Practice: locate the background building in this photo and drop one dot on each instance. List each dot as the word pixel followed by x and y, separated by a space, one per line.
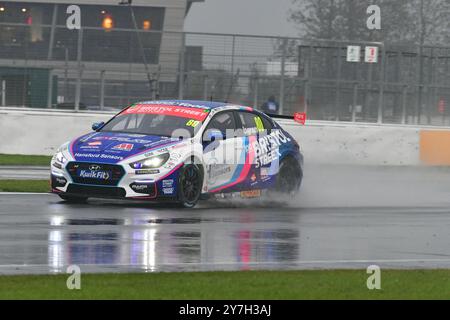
pixel 41 58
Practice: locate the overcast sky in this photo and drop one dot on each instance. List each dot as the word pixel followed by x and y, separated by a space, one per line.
pixel 257 17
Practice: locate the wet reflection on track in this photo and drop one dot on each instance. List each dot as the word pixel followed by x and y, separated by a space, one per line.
pixel 346 218
pixel 170 240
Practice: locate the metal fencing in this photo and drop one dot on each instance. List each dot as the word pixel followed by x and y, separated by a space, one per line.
pixel 91 68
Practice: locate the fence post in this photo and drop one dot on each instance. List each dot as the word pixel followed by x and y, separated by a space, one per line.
pixel 338 86
pixel 50 56
pixel 52 32
pixel 430 101
pixel 283 67
pixel 102 89
pixel 381 82
pixel 79 69
pixel 255 93
pixel 404 96
pixel 355 101
pixel 50 89
pixel 205 87
pixel 181 70
pixel 233 48
pixel 420 88
pixel 307 94
pixel 3 93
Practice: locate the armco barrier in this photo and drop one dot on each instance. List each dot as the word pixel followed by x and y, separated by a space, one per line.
pixel 27 131
pixel 31 131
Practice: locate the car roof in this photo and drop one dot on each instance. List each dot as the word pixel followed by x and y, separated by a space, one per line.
pixel 193 103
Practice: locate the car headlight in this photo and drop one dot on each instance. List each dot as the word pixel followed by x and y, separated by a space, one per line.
pixel 59 158
pixel 152 162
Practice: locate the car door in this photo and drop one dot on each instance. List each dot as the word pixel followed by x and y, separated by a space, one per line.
pixel 219 152
pixel 262 152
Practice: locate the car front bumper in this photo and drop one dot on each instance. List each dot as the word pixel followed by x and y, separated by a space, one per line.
pixel 123 184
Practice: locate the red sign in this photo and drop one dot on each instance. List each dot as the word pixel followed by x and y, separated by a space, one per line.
pixel 300 117
pixel 177 111
pixel 441 106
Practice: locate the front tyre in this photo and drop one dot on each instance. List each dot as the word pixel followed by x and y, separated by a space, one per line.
pixel 289 177
pixel 190 184
pixel 73 199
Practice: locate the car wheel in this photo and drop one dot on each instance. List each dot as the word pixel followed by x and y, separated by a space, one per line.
pixel 73 199
pixel 190 184
pixel 289 177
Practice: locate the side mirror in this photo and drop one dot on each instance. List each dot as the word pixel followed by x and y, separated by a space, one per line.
pixel 98 125
pixel 213 135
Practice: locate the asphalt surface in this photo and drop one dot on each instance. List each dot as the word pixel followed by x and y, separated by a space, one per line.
pixel 345 217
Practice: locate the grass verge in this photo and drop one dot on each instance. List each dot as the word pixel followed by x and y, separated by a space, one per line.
pixel 317 284
pixel 24 186
pixel 23 160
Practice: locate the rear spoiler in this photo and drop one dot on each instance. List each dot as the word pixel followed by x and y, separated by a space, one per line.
pixel 280 116
pixel 299 117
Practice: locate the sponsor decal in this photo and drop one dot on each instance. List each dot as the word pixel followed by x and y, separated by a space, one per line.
pixel 216 170
pixel 124 147
pixel 265 171
pixel 251 194
pixel 139 187
pixel 265 174
pixel 170 164
pixel 267 147
pixel 150 171
pixel 123 139
pixel 167 190
pixel 167 183
pixel 93 145
pixel 169 110
pixel 61 181
pixel 142 188
pixel 97 155
pixel 178 103
pixel 91 174
pixel 253 178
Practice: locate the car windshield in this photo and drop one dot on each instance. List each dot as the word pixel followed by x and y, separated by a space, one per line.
pixel 153 124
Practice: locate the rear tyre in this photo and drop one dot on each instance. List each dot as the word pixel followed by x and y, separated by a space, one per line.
pixel 289 178
pixel 73 199
pixel 190 184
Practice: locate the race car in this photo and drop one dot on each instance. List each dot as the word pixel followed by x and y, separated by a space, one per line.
pixel 179 151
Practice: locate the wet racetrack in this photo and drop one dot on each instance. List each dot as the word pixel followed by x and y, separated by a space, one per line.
pixel 345 217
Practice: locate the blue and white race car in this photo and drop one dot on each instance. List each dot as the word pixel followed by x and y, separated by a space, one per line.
pixel 179 151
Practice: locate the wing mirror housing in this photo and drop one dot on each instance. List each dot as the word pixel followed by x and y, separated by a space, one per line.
pixel 97 126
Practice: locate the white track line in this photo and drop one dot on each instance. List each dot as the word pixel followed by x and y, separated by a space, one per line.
pixel 291 263
pixel 24 193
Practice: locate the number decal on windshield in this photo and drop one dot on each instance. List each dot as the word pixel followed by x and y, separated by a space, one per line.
pixel 192 123
pixel 259 124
